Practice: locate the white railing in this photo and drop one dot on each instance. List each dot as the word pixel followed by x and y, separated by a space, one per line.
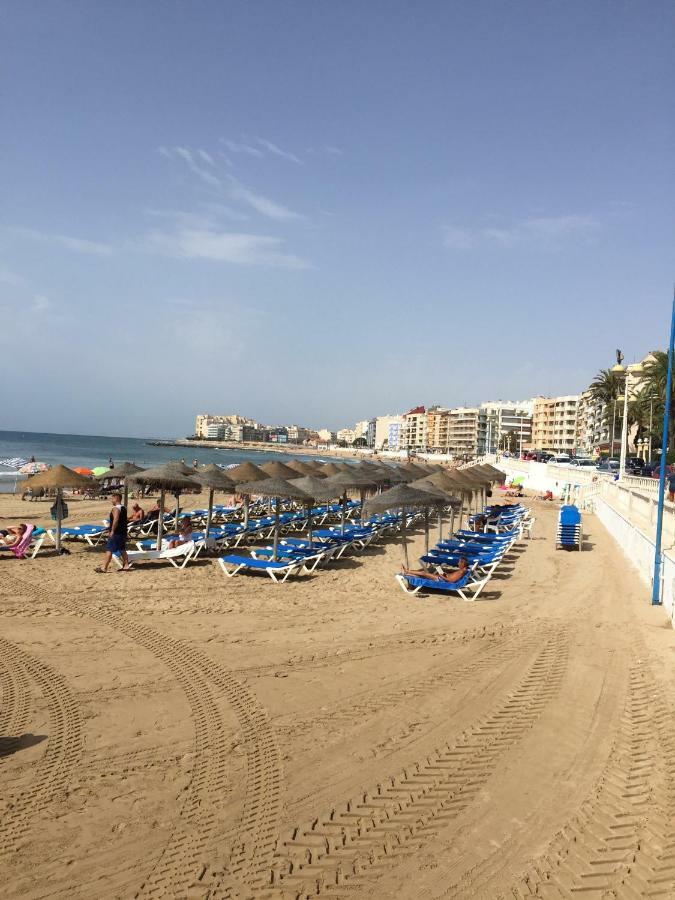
pixel 651 485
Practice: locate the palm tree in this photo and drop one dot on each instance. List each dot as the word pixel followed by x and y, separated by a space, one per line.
pixel 655 378
pixel 605 388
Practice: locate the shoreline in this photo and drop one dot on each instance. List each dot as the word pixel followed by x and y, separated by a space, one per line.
pixel 288 449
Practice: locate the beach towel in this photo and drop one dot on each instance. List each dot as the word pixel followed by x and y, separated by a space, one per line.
pixel 19 550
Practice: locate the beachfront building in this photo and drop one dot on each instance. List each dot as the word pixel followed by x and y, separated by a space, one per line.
pixel 204 420
pixel 297 434
pixel 463 431
pixel 415 429
pixel 504 425
pixel 555 424
pixel 346 436
pixel 437 428
pixel 382 426
pixel 370 433
pixel 396 432
pixel 326 436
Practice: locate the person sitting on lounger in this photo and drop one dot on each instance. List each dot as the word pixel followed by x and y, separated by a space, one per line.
pixel 452 577
pixel 12 535
pixel 137 513
pixel 184 535
pixel 154 512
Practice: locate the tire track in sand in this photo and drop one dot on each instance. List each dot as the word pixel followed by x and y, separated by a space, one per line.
pixel 62 754
pixel 191 861
pixel 349 846
pixel 622 842
pixel 14 703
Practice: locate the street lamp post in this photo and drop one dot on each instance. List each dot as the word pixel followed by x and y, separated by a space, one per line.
pixel 656 582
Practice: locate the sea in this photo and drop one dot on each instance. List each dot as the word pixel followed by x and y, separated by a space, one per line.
pixel 93 450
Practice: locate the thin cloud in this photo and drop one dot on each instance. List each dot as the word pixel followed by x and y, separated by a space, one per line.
pixel 9 277
pixel 259 203
pixel 235 147
pixel 77 245
pixel 277 151
pixel 533 230
pixel 237 248
pixel 190 160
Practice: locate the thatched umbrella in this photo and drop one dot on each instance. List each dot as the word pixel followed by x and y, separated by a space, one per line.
pixel 121 472
pixel 317 489
pixel 276 469
pixel 446 498
pixel 343 481
pixel 496 475
pixel 330 468
pixel 170 476
pixel 402 497
pixel 58 477
pixel 246 471
pixel 275 489
pixel 215 479
pixel 302 467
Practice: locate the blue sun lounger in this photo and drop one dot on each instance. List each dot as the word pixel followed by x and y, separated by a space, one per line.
pixel 278 571
pixel 413 584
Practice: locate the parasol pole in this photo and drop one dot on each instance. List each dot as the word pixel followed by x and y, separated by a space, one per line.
pixel 440 523
pixel 276 529
pixel 160 520
pixel 58 519
pixel 175 521
pixel 247 501
pixel 126 493
pixel 452 521
pixel 426 529
pixel 343 503
pixel 209 514
pixel 403 536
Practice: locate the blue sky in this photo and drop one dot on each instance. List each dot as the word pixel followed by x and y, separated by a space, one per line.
pixel 318 212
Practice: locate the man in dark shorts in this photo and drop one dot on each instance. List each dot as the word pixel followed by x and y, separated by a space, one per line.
pixel 117 541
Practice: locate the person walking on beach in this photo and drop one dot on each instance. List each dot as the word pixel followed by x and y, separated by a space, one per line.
pixel 111 464
pixel 117 542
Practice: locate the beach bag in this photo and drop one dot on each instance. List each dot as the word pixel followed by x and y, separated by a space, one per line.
pixel 54 511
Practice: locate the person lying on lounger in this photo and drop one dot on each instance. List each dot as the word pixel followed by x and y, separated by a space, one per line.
pixel 137 513
pixel 184 535
pixel 12 535
pixel 451 578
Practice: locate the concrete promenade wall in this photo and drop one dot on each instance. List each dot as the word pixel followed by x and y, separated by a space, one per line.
pixel 626 509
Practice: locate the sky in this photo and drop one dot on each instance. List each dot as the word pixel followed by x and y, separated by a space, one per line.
pixel 316 212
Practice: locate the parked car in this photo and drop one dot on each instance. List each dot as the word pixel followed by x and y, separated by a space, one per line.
pixel 582 463
pixel 560 459
pixel 635 465
pixel 608 465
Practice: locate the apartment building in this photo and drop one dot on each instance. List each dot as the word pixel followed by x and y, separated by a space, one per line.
pixel 382 426
pixel 505 425
pixel 415 429
pixel 346 436
pixel 462 425
pixel 437 428
pixel 204 420
pixel 396 433
pixel 555 424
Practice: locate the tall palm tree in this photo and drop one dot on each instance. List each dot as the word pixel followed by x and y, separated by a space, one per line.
pixel 655 378
pixel 605 388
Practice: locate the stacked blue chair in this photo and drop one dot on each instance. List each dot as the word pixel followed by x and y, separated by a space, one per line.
pixel 569 528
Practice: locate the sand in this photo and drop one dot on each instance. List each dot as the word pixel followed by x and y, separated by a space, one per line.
pixel 178 734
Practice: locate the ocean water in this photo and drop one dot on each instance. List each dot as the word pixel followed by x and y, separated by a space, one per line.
pixel 87 450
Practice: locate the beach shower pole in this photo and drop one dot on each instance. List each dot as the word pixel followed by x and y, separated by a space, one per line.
pixel 656 584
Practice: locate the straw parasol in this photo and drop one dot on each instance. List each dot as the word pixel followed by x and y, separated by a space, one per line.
pixel 215 479
pixel 330 468
pixel 275 489
pixel 121 472
pixel 276 469
pixel 171 476
pixel 317 489
pixel 446 498
pixel 401 497
pixel 58 477
pixel 343 481
pixel 302 467
pixel 490 472
pixel 246 471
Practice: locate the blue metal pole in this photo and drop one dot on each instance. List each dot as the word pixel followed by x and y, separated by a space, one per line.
pixel 656 586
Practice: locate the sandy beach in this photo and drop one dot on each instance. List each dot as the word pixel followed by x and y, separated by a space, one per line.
pixel 179 734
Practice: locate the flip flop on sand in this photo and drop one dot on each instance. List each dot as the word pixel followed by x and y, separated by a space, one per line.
pixel 100 571
pixel 128 568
